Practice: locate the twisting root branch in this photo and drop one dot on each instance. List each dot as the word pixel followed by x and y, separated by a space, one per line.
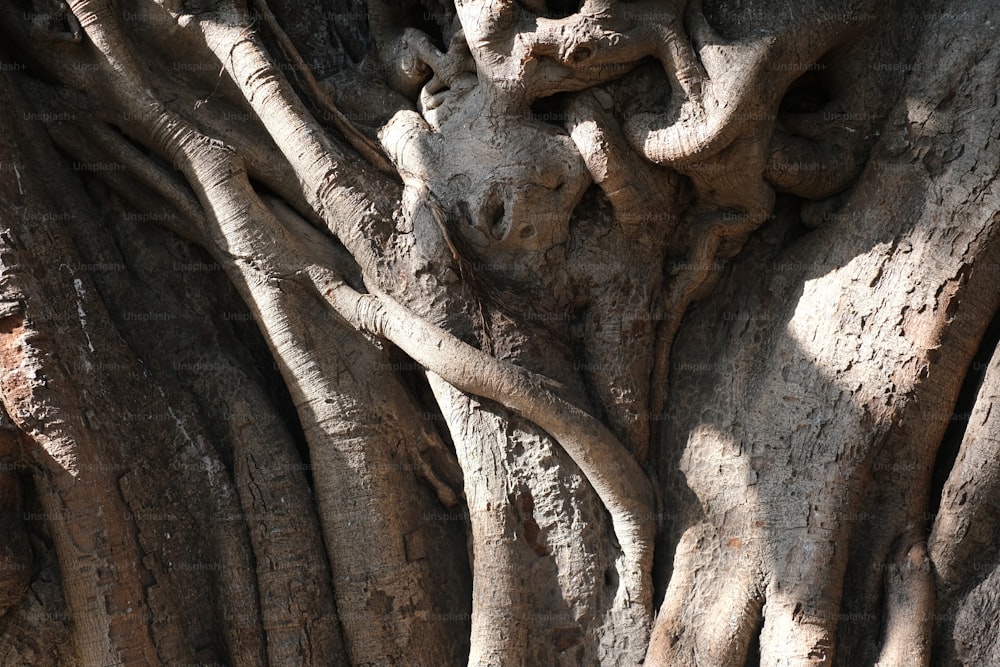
pixel 615 475
pixel 246 235
pixel 70 138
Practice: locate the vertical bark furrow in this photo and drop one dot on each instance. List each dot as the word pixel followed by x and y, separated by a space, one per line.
pixel 966 524
pixel 76 464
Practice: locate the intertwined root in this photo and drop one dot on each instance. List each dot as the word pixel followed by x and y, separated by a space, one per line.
pixel 479 169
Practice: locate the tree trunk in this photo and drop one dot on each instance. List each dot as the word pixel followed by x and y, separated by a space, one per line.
pixel 499 333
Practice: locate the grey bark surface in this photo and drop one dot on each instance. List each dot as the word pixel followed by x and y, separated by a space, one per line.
pixel 499 333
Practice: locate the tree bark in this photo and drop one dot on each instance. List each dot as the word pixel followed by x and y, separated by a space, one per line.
pixel 507 333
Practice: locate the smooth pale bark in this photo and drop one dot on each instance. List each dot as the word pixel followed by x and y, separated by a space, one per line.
pixel 417 433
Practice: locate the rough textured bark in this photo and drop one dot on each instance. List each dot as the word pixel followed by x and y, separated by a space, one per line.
pixel 498 333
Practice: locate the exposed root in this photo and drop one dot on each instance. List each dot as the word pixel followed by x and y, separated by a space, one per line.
pixel 909 616
pixel 616 477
